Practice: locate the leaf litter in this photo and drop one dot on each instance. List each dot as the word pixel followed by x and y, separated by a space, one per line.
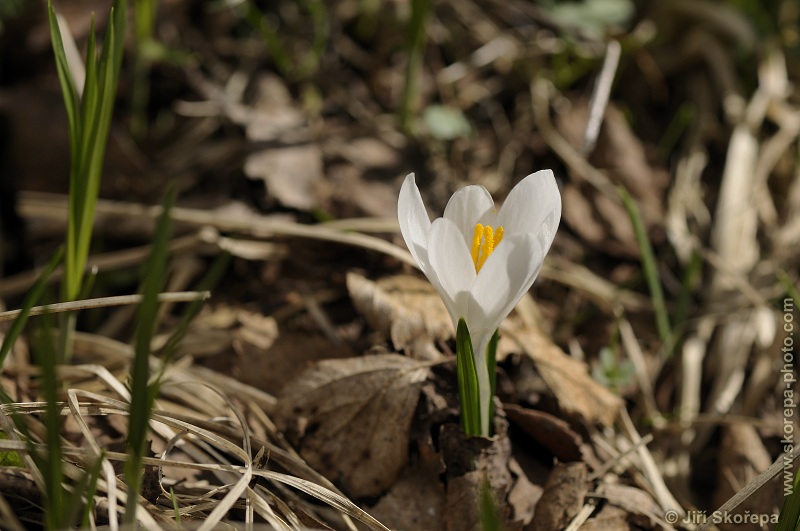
pixel 293 373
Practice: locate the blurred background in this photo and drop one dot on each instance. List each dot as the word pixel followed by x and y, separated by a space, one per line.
pixel 313 111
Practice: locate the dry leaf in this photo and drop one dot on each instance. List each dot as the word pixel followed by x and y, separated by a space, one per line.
pixel 549 431
pixel 524 495
pixel 416 501
pixel 569 380
pixel 271 369
pixel 406 308
pixel 290 173
pixel 610 518
pixel 350 419
pixel 563 497
pixel 637 506
pixel 602 222
pixel 286 159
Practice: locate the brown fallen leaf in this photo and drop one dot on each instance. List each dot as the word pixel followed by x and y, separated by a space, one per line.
pixel 637 505
pixel 610 518
pixel 350 419
pixel 575 390
pixel 416 501
pixel 406 308
pixel 523 496
pixel 283 154
pixel 549 431
pixel 563 497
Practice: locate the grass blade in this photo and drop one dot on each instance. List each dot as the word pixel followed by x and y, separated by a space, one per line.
pixel 50 463
pixel 650 269
pixel 68 88
pixel 142 393
pixel 30 301
pixel 417 38
pixel 789 519
pixel 210 280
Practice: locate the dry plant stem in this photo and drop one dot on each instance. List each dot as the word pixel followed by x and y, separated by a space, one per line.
pixel 693 353
pixel 276 454
pixel 636 356
pixel 580 518
pixel 105 302
pixel 617 460
pixel 756 483
pixel 540 97
pixel 600 94
pixel 116 260
pixel 594 287
pixel 651 470
pixel 9 518
pixel 40 204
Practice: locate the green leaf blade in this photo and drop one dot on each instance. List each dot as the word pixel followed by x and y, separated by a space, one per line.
pixel 468 390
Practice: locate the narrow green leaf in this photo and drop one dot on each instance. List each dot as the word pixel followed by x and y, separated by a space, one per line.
pixel 788 285
pixel 417 38
pixel 690 278
pixel 789 519
pixel 80 499
pixel 649 268
pixel 469 394
pixel 491 364
pixel 31 299
pixel 50 464
pixel 68 89
pixel 210 280
pixel 142 395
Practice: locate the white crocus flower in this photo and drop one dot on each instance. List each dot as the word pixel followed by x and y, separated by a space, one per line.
pixel 479 259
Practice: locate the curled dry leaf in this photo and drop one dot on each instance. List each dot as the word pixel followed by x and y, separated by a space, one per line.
pixel 406 308
pixel 350 419
pixel 569 380
pixel 549 431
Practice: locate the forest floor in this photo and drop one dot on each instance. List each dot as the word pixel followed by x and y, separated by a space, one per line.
pixel 647 378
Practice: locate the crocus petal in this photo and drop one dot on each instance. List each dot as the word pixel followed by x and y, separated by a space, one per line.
pixel 505 277
pixel 415 225
pixel 452 264
pixel 534 205
pixel 466 207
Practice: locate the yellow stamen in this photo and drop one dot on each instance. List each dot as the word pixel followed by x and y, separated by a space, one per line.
pixel 484 241
pixel 476 243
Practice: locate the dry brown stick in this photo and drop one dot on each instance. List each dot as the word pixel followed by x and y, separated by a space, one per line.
pixel 104 302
